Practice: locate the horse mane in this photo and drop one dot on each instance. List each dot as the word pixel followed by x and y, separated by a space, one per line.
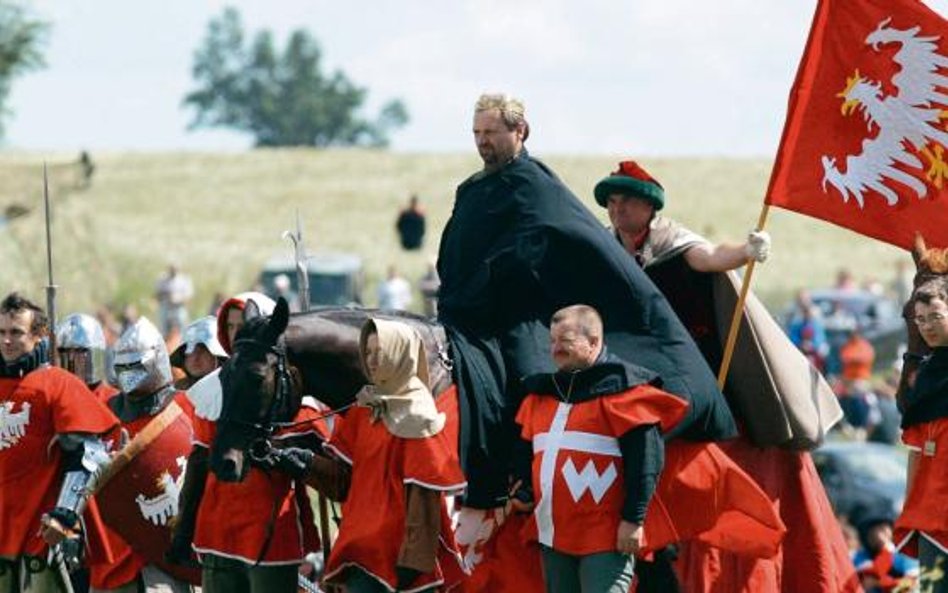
pixel 324 344
pixel 929 261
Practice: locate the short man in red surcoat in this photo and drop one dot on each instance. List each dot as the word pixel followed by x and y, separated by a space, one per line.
pixel 595 429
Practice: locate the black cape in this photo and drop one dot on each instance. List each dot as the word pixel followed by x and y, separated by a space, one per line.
pixel 610 375
pixel 519 246
pixel 927 400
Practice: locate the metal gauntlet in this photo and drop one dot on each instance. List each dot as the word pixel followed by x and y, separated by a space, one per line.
pixel 84 458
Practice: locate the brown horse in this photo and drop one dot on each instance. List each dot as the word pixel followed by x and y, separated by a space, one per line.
pixel 929 263
pixel 277 359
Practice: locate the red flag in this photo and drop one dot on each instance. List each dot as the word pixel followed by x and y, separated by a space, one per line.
pixel 865 141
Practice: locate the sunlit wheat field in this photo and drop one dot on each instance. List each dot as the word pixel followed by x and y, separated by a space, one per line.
pixel 220 216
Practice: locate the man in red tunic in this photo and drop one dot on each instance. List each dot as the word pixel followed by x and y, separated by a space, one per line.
pixel 251 535
pixel 596 428
pixel 922 528
pixel 50 448
pixel 205 394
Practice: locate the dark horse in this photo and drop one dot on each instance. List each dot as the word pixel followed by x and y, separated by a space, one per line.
pixel 929 263
pixel 277 360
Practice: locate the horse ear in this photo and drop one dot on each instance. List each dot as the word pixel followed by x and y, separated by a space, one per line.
pixel 919 249
pixel 251 310
pixel 280 318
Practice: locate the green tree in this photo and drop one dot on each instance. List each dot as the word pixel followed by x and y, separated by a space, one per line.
pixel 21 40
pixel 282 99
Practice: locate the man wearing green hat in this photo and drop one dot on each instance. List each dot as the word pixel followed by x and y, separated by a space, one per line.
pixel 784 408
pixel 633 199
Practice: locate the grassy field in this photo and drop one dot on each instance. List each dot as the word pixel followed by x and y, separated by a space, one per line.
pixel 220 216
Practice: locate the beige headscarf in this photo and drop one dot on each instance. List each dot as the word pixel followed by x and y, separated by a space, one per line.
pixel 400 395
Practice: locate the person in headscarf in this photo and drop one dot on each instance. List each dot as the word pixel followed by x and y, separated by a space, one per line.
pixel 403 459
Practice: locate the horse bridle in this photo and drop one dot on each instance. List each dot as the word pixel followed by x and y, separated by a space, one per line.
pixel 261 446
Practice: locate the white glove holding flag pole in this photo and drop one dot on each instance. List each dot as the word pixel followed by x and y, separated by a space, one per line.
pixel 758 246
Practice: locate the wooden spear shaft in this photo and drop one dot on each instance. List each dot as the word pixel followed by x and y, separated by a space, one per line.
pixel 739 308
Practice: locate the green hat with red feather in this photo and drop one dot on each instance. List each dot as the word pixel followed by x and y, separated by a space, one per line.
pixel 630 179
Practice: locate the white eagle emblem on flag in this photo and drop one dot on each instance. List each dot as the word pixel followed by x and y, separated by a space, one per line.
pixel 909 122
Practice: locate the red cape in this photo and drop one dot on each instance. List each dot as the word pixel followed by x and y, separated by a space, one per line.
pixel 813 557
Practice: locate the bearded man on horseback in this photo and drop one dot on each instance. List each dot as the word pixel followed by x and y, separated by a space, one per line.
pixel 518 247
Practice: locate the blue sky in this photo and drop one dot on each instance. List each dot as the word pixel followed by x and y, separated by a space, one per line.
pixel 631 77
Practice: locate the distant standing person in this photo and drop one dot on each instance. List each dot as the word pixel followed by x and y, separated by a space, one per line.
pixel 394 292
pixel 283 287
pixel 86 169
pixel 428 287
pixel 411 225
pixel 173 291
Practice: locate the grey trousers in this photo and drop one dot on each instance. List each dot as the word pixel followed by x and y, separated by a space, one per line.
pixel 933 567
pixel 28 574
pixel 224 575
pixel 606 572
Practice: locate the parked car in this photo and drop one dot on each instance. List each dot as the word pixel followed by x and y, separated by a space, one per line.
pixel 862 476
pixel 878 318
pixel 334 278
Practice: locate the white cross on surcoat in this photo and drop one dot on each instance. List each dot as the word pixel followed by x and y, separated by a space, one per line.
pixel 559 439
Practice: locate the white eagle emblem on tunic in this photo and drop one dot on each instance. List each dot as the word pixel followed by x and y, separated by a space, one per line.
pixel 908 123
pixel 159 510
pixel 13 424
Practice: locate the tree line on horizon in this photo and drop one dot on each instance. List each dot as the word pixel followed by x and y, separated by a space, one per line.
pixel 280 97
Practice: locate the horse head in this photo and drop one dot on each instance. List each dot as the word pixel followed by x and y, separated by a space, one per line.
pixel 317 354
pixel 930 263
pixel 260 389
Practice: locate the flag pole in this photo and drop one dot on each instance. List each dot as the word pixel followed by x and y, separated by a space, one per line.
pixel 739 308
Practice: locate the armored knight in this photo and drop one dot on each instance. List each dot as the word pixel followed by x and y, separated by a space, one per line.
pixel 143 373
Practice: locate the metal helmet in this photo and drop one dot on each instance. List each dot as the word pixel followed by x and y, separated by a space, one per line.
pixel 80 343
pixel 200 332
pixel 140 360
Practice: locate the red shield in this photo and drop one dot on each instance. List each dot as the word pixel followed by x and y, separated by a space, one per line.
pixel 138 493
